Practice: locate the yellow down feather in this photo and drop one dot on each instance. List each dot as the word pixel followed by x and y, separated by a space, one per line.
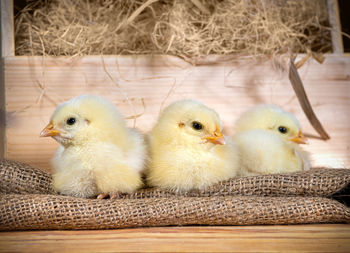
pixel 183 158
pixel 98 154
pixel 267 140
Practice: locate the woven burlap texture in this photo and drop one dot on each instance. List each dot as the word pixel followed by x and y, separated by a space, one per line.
pixel 22 178
pixel 22 212
pixel 16 177
pixel 27 202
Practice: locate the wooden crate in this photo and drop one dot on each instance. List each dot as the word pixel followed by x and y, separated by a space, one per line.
pixel 34 86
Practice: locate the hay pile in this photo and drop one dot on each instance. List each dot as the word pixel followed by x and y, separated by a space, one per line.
pixel 177 27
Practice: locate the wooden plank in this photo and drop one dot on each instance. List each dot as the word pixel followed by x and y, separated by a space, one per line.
pixel 35 85
pixel 2 111
pixel 297 238
pixel 7 34
pixel 334 20
pixel 7 49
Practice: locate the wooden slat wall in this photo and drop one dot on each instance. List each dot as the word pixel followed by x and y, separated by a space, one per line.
pixel 35 85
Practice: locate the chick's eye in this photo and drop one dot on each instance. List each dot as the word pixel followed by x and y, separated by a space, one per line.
pixel 196 125
pixel 71 121
pixel 282 129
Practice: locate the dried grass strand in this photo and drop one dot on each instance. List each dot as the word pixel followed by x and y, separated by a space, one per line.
pixel 188 29
pixel 124 94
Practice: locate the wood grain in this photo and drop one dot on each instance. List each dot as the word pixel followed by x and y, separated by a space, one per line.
pixel 7 34
pixel 298 238
pixel 2 111
pixel 36 85
pixel 6 49
pixel 334 20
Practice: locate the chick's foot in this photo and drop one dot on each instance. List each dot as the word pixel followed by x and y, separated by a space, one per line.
pixel 106 195
pixel 102 196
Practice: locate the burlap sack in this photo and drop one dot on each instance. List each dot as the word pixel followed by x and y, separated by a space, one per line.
pixel 22 212
pixel 16 177
pixel 22 178
pixel 26 202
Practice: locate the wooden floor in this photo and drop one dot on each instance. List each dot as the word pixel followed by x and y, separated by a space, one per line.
pixel 307 238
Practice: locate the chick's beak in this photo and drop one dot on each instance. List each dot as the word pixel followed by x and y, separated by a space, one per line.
pixel 217 138
pixel 49 131
pixel 300 139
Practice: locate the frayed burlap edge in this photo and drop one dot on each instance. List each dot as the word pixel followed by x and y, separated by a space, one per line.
pixel 24 179
pixel 23 212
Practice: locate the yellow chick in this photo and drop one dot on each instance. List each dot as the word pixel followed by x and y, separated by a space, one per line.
pixel 267 139
pixel 98 155
pixel 188 150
